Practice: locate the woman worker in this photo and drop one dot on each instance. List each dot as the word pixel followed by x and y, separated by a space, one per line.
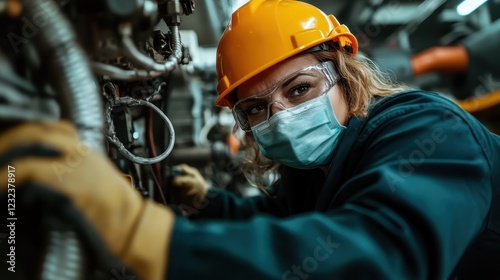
pixel 376 181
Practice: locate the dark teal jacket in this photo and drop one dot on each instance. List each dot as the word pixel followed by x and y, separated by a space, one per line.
pixel 413 193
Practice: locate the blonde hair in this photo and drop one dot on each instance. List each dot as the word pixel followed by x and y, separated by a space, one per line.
pixel 360 80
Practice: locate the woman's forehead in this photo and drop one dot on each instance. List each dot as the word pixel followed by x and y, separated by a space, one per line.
pixel 274 74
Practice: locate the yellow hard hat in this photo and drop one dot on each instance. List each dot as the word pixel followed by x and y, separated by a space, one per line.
pixel 263 33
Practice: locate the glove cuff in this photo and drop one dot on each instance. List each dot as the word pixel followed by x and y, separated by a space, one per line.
pixel 147 252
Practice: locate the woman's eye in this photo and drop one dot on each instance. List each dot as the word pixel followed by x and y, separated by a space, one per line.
pixel 299 90
pixel 255 109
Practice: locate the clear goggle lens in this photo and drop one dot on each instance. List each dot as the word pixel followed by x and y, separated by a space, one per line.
pixel 297 88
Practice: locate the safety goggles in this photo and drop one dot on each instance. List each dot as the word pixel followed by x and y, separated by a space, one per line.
pixel 299 87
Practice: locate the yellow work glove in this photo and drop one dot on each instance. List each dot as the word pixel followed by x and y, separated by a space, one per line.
pixel 190 189
pixel 135 229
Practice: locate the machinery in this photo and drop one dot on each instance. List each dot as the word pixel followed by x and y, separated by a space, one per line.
pixel 120 71
pixel 135 86
pixel 137 78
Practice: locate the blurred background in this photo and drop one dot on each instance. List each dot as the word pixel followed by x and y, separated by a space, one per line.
pixel 137 77
pixel 419 43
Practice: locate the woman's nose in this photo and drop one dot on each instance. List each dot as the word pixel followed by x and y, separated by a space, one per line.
pixel 274 107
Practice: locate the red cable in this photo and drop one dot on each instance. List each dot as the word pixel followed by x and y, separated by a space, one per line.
pixel 152 149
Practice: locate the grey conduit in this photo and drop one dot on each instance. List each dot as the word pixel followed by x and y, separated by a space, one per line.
pixel 69 71
pixel 70 75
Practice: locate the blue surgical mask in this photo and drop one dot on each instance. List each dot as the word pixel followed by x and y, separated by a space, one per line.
pixel 302 137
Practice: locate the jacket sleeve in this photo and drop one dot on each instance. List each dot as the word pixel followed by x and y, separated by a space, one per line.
pixel 222 204
pixel 418 197
pixel 286 197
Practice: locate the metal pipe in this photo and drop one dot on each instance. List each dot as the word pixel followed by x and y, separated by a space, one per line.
pixel 191 155
pixel 424 10
pixel 120 74
pixel 441 59
pixel 483 47
pixel 151 69
pixel 16 113
pixel 145 62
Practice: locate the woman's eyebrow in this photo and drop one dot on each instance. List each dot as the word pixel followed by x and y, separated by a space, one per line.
pixel 294 77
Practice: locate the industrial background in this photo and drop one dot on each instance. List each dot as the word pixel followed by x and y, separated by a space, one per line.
pixel 139 75
pixel 154 63
pixel 420 43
